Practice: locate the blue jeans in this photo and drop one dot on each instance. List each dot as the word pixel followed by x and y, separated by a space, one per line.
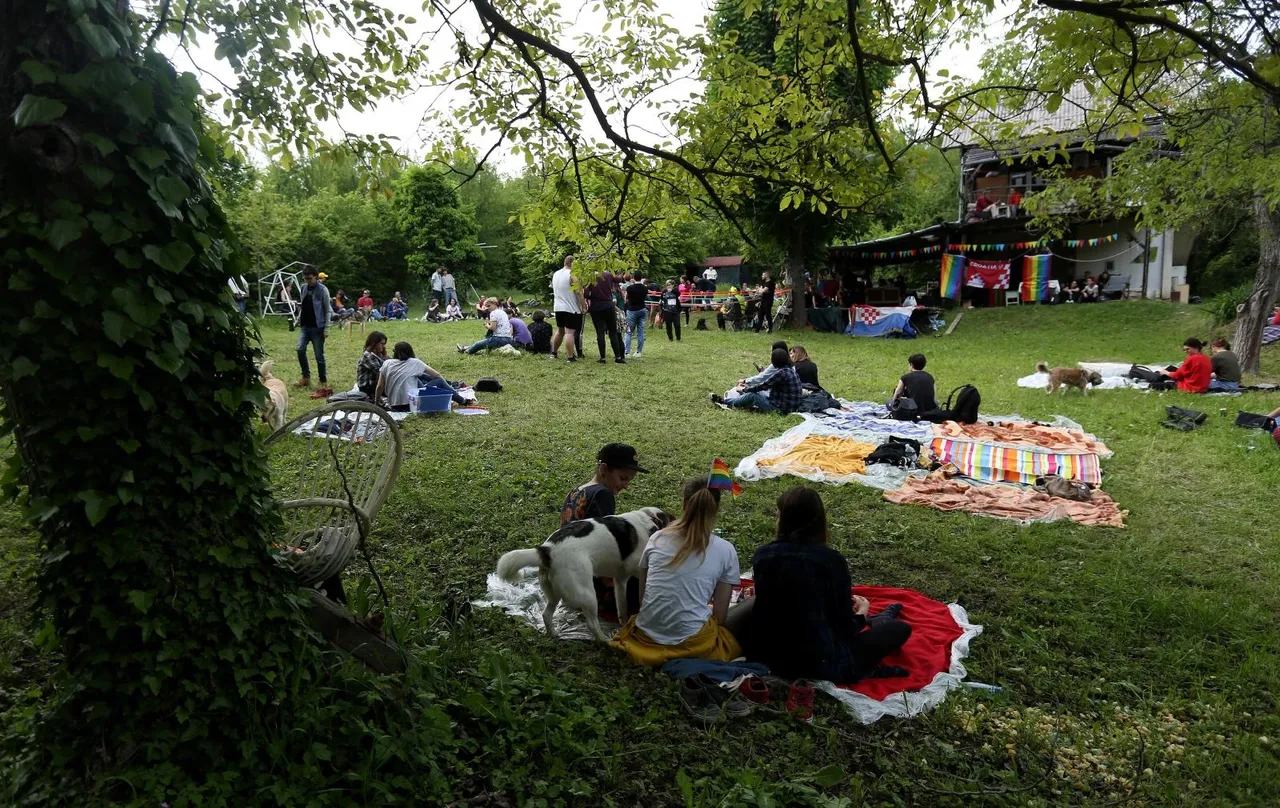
pixel 635 321
pixel 451 294
pixel 314 336
pixel 489 343
pixel 752 401
pixel 1216 386
pixel 432 383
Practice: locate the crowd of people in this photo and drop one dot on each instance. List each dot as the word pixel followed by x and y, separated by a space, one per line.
pixel 802 622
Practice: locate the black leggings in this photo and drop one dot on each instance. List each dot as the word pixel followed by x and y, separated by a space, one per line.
pixel 883 636
pixel 672 319
pixel 606 322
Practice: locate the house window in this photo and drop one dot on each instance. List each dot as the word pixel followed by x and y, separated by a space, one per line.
pixel 1111 265
pixel 1018 181
pixel 1080 159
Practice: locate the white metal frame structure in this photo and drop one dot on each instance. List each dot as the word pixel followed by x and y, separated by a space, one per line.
pixel 279 292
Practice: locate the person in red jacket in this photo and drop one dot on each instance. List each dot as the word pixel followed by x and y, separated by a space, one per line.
pixel 1196 371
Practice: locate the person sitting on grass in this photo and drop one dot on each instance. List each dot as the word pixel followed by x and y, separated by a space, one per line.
pixel 520 334
pixel 432 314
pixel 399 378
pixel 540 332
pixel 805 367
pixel 370 364
pixel 802 622
pixel 396 309
pixel 687 574
pixel 453 312
pixel 1091 293
pixel 917 386
pixel 1196 371
pixel 498 327
pixel 1226 368
pixel 779 391
pixel 616 466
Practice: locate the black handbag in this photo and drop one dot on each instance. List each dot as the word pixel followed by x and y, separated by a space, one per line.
pixel 1249 420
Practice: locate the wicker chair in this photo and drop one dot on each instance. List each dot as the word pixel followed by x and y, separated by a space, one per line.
pixel 339 486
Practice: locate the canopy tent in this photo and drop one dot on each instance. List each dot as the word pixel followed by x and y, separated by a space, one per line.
pixel 279 291
pixel 729 271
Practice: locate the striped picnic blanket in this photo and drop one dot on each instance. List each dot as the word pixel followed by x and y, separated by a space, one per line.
pixel 988 463
pixel 1270 334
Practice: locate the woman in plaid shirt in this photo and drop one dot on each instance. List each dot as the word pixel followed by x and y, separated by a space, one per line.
pixel 375 353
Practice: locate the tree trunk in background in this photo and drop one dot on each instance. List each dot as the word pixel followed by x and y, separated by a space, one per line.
pixel 1256 310
pixel 795 277
pixel 128 383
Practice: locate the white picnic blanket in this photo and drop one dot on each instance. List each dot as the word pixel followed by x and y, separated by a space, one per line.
pixel 1112 373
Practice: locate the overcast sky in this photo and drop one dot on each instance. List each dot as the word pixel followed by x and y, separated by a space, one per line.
pixel 403 118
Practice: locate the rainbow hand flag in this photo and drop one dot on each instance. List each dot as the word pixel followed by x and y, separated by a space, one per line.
pixel 952 276
pixel 1035 277
pixel 721 477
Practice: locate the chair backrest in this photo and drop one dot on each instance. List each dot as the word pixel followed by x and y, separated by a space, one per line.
pixel 348 458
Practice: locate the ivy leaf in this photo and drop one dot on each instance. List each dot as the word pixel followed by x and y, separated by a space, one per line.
pixel 141 600
pixel 173 256
pixel 38 72
pixel 114 324
pixel 35 110
pixel 829 777
pixel 120 366
pixel 62 232
pixel 174 190
pixel 96 505
pixel 98 37
pixel 22 366
pixel 181 337
pixel 100 176
pixel 150 156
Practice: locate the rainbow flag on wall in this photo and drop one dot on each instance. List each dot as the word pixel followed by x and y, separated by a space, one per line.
pixel 952 276
pixel 721 477
pixel 1035 277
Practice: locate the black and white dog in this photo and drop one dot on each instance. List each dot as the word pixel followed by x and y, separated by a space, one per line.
pixel 580 550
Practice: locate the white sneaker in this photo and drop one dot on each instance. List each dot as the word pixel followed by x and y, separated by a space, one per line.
pixel 639 355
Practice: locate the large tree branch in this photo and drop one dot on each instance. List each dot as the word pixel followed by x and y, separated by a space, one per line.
pixel 1120 11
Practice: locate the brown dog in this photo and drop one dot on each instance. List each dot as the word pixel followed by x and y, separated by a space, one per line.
pixel 1069 377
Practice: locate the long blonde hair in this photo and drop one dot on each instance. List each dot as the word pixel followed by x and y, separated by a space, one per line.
pixel 701 506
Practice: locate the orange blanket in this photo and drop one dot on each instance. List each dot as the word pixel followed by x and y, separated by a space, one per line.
pixel 824 453
pixel 1053 438
pixel 1005 501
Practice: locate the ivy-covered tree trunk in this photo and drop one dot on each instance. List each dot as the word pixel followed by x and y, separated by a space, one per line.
pixel 795 276
pixel 129 385
pixel 1256 309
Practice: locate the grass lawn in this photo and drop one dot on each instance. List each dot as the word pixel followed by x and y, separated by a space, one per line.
pixel 1137 665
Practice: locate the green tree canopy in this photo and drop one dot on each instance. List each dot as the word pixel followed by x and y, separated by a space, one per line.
pixel 436 230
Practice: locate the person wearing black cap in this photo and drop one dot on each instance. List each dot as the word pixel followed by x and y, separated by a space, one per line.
pixel 616 466
pixel 1196 371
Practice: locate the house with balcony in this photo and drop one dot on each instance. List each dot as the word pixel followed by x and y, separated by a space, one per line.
pixel 996 178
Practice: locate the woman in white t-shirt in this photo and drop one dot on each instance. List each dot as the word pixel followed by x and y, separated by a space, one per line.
pixel 398 379
pixel 687 574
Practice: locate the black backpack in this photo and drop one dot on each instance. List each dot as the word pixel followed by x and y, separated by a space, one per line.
pixel 1250 420
pixel 904 409
pixel 1143 373
pixel 962 407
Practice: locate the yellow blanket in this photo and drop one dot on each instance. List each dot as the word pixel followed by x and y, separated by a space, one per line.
pixel 824 453
pixel 713 641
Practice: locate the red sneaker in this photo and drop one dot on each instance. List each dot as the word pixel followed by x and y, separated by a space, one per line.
pixel 322 392
pixel 753 688
pixel 800 700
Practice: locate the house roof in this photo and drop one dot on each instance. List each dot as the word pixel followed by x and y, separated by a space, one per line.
pixel 723 261
pixel 1078 111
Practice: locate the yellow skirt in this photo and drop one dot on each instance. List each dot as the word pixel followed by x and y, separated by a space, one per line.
pixel 713 641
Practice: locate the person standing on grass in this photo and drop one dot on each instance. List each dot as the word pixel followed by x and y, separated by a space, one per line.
pixel 449 285
pixel 1196 371
pixel 670 304
pixel 568 306
pixel 604 316
pixel 1226 368
pixel 636 296
pixel 653 290
pixel 686 296
pixel 498 326
pixel 370 364
pixel 764 315
pixel 437 285
pixel 315 313
pixel 616 466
